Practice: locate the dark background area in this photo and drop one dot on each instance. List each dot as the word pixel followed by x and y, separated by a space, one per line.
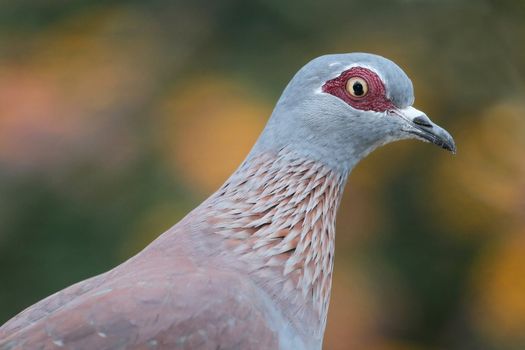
pixel 118 117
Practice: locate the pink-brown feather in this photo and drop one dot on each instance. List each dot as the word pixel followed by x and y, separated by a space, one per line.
pixel 277 214
pixel 255 259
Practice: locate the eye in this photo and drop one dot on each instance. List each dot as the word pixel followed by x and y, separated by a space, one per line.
pixel 357 87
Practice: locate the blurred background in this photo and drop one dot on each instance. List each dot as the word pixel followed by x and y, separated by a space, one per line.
pixel 118 117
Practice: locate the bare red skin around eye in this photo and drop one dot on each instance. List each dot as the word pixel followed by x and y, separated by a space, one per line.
pixel 374 100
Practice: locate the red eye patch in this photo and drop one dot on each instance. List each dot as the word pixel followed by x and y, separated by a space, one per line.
pixel 374 100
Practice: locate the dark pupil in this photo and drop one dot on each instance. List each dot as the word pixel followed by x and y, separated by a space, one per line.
pixel 358 89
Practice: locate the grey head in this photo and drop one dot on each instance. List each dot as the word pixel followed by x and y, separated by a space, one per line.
pixel 338 108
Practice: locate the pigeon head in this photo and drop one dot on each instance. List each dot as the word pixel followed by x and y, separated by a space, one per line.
pixel 338 108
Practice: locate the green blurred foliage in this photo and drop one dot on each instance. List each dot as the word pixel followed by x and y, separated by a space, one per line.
pixel 104 143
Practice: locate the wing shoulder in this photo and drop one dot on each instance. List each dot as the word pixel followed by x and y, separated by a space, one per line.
pixel 199 310
pixel 49 305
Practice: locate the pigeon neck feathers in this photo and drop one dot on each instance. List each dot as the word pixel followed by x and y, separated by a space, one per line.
pixel 276 214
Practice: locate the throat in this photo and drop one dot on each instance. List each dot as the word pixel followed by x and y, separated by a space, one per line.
pixel 276 214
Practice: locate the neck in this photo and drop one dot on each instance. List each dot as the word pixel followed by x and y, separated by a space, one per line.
pixel 277 214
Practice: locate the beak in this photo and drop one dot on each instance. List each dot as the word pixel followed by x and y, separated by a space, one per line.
pixel 418 124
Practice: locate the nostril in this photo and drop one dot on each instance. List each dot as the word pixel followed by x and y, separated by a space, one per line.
pixel 422 120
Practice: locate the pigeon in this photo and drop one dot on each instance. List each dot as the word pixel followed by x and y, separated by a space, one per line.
pixel 250 267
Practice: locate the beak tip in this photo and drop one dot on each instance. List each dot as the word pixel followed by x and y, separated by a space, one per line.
pixel 449 145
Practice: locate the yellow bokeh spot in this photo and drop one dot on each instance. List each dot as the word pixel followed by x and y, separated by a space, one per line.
pixel 208 127
pixel 498 291
pixel 482 188
pixel 353 314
